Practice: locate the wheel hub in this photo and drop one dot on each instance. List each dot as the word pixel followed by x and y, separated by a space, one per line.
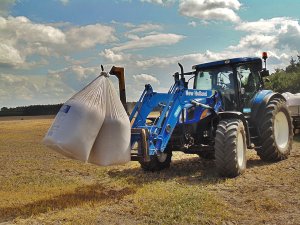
pixel 240 149
pixel 281 131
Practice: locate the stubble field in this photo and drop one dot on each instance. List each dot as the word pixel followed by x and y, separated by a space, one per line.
pixel 39 186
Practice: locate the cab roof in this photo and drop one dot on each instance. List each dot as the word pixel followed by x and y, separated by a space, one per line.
pixel 226 62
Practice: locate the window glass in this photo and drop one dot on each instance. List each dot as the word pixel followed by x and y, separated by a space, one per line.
pixel 249 78
pixel 225 80
pixel 220 79
pixel 204 81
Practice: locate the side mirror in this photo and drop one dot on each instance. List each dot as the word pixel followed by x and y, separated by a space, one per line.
pixel 264 73
pixel 176 76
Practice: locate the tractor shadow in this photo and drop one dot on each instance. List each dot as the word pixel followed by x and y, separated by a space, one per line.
pixel 256 162
pixel 297 136
pixel 85 194
pixel 193 170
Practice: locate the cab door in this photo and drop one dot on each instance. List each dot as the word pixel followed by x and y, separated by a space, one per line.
pixel 249 83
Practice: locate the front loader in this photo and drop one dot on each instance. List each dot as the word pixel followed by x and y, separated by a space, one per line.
pixel 225 112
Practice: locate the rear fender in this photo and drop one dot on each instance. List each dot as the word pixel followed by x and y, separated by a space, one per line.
pixel 260 102
pixel 240 116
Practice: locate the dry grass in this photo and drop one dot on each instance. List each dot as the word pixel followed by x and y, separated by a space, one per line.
pixel 38 186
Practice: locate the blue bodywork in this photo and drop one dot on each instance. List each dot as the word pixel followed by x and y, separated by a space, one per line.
pixel 226 62
pixel 259 97
pixel 179 99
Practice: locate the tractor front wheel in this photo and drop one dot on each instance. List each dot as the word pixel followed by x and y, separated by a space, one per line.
pixel 230 148
pixel 156 162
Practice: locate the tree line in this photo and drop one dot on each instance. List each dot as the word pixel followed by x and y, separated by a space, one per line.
pixel 36 110
pixel 31 110
pixel 286 80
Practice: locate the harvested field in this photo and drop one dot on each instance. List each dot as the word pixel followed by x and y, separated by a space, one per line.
pixel 11 118
pixel 39 186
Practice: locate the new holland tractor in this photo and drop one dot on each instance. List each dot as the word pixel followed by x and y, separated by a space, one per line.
pixel 218 112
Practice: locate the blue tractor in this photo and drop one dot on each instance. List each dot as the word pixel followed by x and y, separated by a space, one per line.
pixel 218 112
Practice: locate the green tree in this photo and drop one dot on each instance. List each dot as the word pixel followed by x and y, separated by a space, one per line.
pixel 292 67
pixel 287 80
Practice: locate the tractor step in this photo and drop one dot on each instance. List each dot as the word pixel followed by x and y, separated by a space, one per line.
pixel 195 149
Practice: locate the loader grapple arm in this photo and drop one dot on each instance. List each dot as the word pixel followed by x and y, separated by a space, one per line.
pixel 152 136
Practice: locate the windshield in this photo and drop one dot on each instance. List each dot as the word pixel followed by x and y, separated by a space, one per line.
pixel 219 79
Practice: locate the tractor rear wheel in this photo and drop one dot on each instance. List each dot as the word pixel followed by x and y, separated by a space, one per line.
pixel 230 147
pixel 156 162
pixel 276 132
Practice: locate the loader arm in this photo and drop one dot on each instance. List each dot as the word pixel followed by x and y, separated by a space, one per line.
pixel 119 73
pixel 171 106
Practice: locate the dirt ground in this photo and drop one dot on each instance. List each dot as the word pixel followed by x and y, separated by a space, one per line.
pixel 39 186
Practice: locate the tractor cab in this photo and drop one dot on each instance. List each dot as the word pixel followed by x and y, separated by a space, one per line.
pixel 237 80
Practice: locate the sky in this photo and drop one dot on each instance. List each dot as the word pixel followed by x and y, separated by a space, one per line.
pixel 51 49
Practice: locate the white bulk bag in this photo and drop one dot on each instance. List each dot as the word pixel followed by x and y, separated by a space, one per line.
pixel 292 99
pixel 78 122
pixel 112 145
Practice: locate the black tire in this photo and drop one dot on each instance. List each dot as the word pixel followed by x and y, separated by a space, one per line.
pixel 156 164
pixel 209 155
pixel 272 147
pixel 230 153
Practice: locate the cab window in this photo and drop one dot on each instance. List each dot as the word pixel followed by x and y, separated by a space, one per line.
pixel 249 78
pixel 203 81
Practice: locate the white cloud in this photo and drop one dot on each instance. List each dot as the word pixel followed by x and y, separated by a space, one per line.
pixel 159 2
pixel 193 58
pixel 276 33
pixel 21 38
pixel 289 35
pixel 9 56
pixel 276 58
pixel 145 78
pixel 150 41
pixel 256 41
pixel 145 27
pixel 90 35
pixel 158 61
pixel 76 71
pixel 265 25
pixel 64 2
pixel 14 29
pixel 39 49
pixel 210 9
pixel 75 76
pixel 192 24
pixel 24 29
pixel 17 90
pixel 112 56
pixel 21 29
